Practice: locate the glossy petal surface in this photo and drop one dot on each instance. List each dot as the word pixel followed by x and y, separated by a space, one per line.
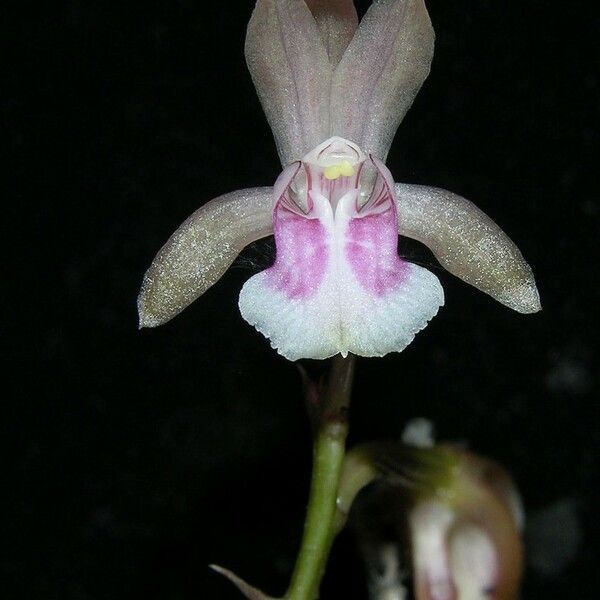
pixel 200 251
pixel 467 243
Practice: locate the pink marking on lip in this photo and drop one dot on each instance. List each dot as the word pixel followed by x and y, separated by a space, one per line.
pixel 302 253
pixel 372 251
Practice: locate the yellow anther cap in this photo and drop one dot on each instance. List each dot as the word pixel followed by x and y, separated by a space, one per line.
pixel 335 171
pixel 346 169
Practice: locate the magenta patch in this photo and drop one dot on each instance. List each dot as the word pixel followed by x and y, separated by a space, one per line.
pixel 372 252
pixel 302 253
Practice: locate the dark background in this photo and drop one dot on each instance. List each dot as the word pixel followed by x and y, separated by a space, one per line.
pixel 133 459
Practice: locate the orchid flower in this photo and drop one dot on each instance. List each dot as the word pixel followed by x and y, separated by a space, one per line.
pixel 466 534
pixel 460 512
pixel 334 92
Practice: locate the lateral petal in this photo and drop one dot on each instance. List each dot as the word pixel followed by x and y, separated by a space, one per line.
pixel 337 21
pixel 290 69
pixel 380 73
pixel 200 251
pixel 467 243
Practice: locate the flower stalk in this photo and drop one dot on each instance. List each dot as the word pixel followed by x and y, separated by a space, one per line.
pixel 331 429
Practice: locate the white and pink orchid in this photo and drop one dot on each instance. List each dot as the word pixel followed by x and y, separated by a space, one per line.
pixel 465 532
pixel 459 514
pixel 334 92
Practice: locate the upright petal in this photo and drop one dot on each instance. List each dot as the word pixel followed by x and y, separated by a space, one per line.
pixel 338 284
pixel 475 563
pixel 467 243
pixel 429 522
pixel 337 21
pixel 200 251
pixel 290 69
pixel 380 73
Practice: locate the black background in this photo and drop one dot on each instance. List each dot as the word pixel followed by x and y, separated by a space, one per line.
pixel 133 459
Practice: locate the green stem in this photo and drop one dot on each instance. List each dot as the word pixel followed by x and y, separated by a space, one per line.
pixel 328 457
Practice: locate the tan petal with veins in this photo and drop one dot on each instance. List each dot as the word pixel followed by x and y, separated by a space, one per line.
pixel 200 251
pixel 467 243
pixel 290 69
pixel 380 73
